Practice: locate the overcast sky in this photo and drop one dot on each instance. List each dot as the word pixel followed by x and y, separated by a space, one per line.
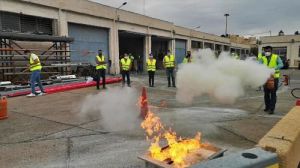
pixel 246 16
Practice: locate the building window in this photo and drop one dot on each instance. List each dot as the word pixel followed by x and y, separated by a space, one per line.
pixel 238 52
pixel 197 44
pixel 44 26
pixel 281 51
pixel 209 45
pixel 11 22
pixel 243 52
pixel 226 48
pixel 218 47
pixel 28 24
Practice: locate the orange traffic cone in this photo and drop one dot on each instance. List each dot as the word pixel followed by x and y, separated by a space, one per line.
pixel 144 104
pixel 3 108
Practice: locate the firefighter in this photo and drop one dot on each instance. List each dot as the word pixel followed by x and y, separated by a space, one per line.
pixel 151 67
pixel 169 64
pixel 273 61
pixel 187 58
pixel 100 68
pixel 35 68
pixel 126 64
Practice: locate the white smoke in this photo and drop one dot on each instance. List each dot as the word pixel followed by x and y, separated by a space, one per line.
pixel 223 79
pixel 116 107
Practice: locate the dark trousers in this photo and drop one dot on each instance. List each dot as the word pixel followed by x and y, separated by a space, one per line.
pixel 151 78
pixel 170 74
pixel 270 96
pixel 127 75
pixel 101 74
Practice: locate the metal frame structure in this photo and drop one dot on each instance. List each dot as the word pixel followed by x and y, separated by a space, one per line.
pixel 14 63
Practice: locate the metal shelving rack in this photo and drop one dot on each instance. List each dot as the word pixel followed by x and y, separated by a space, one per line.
pixel 14 63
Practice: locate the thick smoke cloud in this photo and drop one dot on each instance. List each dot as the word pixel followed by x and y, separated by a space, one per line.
pixel 117 108
pixel 223 79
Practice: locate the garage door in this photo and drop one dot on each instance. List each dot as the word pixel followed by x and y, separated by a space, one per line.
pixel 87 41
pixel 180 50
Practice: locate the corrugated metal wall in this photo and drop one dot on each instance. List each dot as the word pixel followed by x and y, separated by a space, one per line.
pixel 180 50
pixel 87 41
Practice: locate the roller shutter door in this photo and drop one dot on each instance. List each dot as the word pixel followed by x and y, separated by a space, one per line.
pixel 87 41
pixel 180 50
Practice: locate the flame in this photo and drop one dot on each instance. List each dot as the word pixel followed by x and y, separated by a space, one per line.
pixel 151 124
pixel 178 149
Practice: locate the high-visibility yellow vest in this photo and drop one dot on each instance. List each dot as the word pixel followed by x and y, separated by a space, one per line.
pixel 101 59
pixel 34 67
pixel 151 65
pixel 125 64
pixel 169 61
pixel 272 64
pixel 186 60
pixel 259 56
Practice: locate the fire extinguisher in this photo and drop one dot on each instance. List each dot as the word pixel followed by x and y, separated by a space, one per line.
pixel 285 80
pixel 270 83
pixel 3 108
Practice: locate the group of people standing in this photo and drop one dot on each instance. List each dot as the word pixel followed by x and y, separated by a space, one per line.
pixel 125 66
pixel 101 66
pixel 126 63
pixel 268 58
pixel 168 62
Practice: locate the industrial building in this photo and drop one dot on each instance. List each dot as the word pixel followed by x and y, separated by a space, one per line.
pixel 93 26
pixel 217 117
pixel 286 46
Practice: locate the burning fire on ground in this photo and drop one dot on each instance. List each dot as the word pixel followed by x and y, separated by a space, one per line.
pixel 180 152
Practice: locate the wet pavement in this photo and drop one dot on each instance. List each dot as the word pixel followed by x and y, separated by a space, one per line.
pixel 47 131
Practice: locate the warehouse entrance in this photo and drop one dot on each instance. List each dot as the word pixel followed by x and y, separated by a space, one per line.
pixel 159 49
pixel 133 44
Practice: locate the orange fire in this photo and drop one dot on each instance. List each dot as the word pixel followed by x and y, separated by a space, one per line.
pixel 178 149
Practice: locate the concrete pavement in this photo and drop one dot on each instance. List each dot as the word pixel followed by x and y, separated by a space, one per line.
pixel 47 132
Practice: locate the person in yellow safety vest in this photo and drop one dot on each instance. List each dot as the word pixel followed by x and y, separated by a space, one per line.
pixel 169 64
pixel 272 61
pixel 101 69
pixel 125 64
pixel 188 58
pixel 151 67
pixel 35 69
